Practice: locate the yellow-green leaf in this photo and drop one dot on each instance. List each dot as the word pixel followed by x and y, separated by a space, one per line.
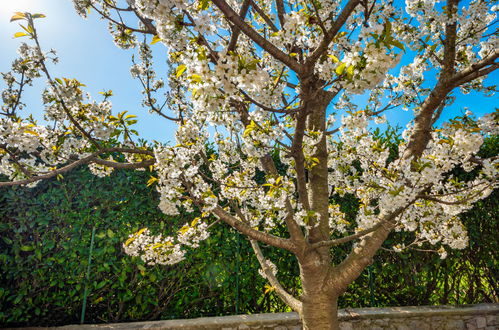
pixel 151 181
pixel 27 248
pixel 203 4
pixel 196 78
pixel 350 71
pixel 341 67
pixel 268 288
pixel 31 132
pixel 397 44
pixel 17 16
pixel 180 70
pixel 38 16
pixel 20 34
pixel 155 39
pixel 334 58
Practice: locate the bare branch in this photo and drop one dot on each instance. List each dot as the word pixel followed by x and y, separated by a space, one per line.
pixel 345 239
pixel 89 159
pixel 466 73
pixel 253 233
pixel 236 31
pixel 264 16
pixel 333 31
pixel 143 164
pixel 291 301
pixel 280 12
pixel 278 54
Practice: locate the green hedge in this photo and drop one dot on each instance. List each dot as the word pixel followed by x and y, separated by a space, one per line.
pixel 45 243
pixel 45 238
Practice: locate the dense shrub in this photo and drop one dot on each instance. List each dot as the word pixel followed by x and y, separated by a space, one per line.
pixel 46 235
pixel 44 251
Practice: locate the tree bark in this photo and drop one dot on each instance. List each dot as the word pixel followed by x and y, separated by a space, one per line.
pixel 320 313
pixel 319 298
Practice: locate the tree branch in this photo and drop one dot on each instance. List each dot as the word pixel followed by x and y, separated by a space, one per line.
pixel 264 16
pixel 253 233
pixel 332 32
pixel 234 18
pixel 89 159
pixel 345 239
pixel 236 31
pixel 291 301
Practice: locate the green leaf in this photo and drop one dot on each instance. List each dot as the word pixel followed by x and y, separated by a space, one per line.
pixel 350 71
pixel 20 34
pixel 397 44
pixel 110 233
pixel 341 67
pixel 27 248
pixel 38 16
pixel 17 16
pixel 155 39
pixel 203 4
pixel 196 78
pixel 180 70
pixel 334 58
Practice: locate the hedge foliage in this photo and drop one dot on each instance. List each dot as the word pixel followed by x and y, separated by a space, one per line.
pixel 45 238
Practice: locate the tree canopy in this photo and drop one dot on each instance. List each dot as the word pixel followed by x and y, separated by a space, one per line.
pixel 265 83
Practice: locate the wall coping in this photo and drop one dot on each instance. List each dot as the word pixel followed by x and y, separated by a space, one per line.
pixel 347 314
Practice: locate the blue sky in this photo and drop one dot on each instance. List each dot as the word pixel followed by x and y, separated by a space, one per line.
pixel 87 53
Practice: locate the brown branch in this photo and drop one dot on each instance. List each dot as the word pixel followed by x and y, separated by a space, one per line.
pixel 235 19
pixel 332 32
pixel 450 40
pixel 121 24
pixel 51 174
pixel 363 252
pixel 297 154
pixel 91 158
pixel 23 169
pixel 345 239
pixel 464 74
pixel 245 229
pixel 477 74
pixel 280 12
pixel 235 30
pixel 143 164
pixel 264 16
pixel 291 301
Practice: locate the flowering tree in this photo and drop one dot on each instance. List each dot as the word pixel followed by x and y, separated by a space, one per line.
pixel 273 82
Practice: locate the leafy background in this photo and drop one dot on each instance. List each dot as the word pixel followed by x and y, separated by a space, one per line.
pixel 45 238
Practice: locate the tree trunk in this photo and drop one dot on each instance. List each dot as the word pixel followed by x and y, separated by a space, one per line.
pixel 320 297
pixel 320 312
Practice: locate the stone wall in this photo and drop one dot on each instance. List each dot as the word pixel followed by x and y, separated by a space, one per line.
pixel 482 316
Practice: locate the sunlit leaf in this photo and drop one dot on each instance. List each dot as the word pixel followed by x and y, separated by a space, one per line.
pixel 339 70
pixel 20 34
pixel 155 39
pixel 17 16
pixel 38 16
pixel 180 70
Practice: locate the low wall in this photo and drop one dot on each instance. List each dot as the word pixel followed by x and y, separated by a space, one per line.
pixel 481 316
